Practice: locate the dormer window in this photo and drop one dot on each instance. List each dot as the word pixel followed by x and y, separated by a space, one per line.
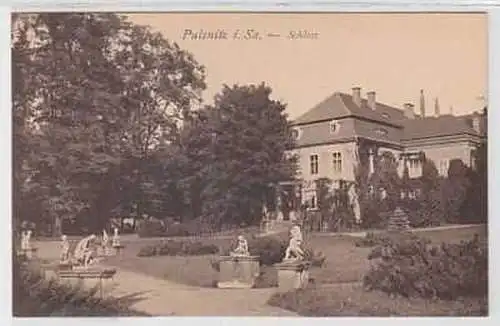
pixel 296 133
pixel 334 127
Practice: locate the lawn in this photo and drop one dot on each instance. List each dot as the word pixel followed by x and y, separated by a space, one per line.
pixel 345 263
pixel 337 289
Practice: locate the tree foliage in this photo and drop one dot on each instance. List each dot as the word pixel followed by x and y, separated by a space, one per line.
pixel 230 166
pixel 93 96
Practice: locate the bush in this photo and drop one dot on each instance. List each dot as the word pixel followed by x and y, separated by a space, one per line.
pixel 36 296
pixel 427 211
pixel 415 268
pixel 150 229
pixel 176 230
pixel 317 258
pixel 351 300
pixel 372 239
pixel 270 249
pixel 178 248
pixel 170 228
pixel 147 251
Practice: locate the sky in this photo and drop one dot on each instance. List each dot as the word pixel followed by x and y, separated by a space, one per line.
pixel 394 55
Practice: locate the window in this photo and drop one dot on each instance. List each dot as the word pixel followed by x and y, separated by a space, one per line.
pixel 381 132
pixel 385 115
pixel 414 163
pixel 334 127
pixel 443 167
pixel 337 162
pixel 296 133
pixel 314 164
pixel 313 203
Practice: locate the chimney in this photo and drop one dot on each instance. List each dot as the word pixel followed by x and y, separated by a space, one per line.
pixel 356 95
pixel 422 104
pixel 437 111
pixel 409 110
pixel 372 104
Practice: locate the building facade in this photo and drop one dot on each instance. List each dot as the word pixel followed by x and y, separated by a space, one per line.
pixel 328 136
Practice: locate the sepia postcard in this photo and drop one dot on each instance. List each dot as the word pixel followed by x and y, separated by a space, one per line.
pixel 265 164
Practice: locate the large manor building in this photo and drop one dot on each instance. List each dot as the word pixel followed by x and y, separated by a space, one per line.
pixel 327 137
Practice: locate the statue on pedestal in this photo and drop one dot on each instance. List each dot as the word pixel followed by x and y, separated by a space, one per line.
pixel 84 252
pixel 115 242
pixel 105 242
pixel 242 247
pixel 294 251
pixel 64 249
pixel 354 202
pixel 25 240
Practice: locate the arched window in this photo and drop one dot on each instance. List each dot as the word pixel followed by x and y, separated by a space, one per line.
pixel 296 133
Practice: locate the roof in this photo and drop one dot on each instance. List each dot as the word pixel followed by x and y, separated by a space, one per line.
pixel 340 105
pixel 444 125
pixel 385 123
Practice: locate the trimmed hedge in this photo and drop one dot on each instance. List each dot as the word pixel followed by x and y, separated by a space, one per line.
pixel 178 248
pixel 415 268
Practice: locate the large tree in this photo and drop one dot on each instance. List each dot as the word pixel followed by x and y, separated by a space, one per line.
pixel 236 149
pixel 100 94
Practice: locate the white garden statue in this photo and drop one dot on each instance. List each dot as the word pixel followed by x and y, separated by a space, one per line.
pixel 115 242
pixel 354 201
pixel 64 249
pixel 84 252
pixel 242 247
pixel 294 250
pixel 25 240
pixel 105 242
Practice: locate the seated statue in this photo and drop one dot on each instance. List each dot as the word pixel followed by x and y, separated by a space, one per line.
pixel 294 250
pixel 84 252
pixel 242 248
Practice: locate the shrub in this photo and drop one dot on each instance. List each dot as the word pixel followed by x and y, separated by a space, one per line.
pixel 147 251
pixel 178 248
pixel 351 300
pixel 176 230
pixel 199 249
pixel 372 239
pixel 36 296
pixel 270 249
pixel 410 267
pixel 170 228
pixel 150 229
pixel 427 211
pixel 317 258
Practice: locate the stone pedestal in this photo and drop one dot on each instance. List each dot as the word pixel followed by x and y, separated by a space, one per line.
pixel 293 275
pixel 118 249
pixel 238 272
